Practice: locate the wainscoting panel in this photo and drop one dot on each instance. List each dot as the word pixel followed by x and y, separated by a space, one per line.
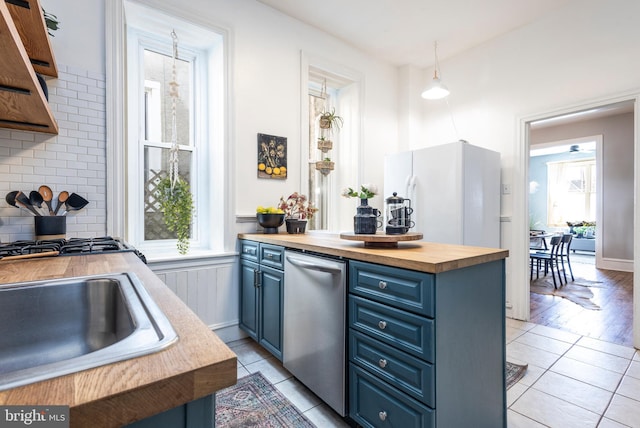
pixel 209 289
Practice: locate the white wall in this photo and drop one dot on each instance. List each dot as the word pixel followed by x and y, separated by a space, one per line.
pixel 79 41
pixel 584 51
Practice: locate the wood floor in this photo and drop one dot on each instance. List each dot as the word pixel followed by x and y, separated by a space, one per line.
pixel 613 323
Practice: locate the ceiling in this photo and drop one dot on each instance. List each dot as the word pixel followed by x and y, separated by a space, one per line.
pixel 402 32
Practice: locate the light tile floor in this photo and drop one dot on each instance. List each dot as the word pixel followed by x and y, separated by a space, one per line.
pixel 572 381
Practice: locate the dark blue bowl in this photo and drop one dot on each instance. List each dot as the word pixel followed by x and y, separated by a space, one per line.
pixel 270 222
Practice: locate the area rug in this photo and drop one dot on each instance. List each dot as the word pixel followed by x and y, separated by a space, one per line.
pixel 255 402
pixel 515 372
pixel 576 291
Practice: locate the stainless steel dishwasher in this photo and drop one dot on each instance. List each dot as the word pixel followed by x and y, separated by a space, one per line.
pixel 314 325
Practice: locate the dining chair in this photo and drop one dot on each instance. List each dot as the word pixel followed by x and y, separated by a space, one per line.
pixel 564 255
pixel 550 258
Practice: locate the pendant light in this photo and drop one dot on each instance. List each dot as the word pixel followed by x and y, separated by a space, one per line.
pixel 436 90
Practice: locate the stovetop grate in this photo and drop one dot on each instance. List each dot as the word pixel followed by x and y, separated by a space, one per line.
pixel 71 246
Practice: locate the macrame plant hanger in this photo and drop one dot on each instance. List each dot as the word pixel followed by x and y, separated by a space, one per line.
pixel 173 93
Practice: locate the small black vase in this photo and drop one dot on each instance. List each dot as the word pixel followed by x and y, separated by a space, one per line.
pixel 364 222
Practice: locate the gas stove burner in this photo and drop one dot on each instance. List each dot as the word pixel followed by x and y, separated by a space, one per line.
pixel 19 248
pixel 69 247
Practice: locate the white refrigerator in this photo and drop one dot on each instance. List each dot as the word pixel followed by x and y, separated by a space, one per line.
pixel 454 190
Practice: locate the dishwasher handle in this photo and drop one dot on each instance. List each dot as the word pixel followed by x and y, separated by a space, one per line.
pixel 321 267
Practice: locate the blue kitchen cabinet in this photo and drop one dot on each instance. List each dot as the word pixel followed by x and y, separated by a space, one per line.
pixel 262 293
pixel 427 350
pixel 195 414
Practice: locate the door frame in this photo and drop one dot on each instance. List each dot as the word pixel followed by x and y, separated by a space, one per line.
pixel 520 291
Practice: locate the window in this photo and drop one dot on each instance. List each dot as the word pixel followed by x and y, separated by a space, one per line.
pixel 199 125
pixel 572 192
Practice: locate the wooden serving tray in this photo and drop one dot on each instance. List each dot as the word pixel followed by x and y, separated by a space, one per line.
pixel 381 240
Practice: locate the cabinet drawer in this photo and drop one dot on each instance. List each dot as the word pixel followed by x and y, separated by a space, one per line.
pixel 404 289
pixel 373 403
pixel 405 372
pixel 406 331
pixel 272 255
pixel 249 250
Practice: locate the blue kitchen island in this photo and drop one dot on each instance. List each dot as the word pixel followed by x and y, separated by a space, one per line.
pixel 425 331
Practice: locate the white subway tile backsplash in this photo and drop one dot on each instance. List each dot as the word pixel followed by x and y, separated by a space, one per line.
pixel 74 160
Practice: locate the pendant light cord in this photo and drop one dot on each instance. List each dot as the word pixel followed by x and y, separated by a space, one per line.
pixel 453 121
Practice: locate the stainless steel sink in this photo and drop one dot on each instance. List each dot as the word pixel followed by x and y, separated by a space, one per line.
pixel 52 328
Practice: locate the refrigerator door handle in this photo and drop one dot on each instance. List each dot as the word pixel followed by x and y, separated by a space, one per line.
pixel 407 187
pixel 411 188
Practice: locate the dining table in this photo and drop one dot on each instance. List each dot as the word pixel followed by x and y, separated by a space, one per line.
pixel 538 241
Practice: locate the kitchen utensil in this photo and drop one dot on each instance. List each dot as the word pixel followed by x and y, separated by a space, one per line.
pixel 47 195
pixel 30 256
pixel 75 202
pixel 62 198
pixel 24 202
pixel 36 201
pixel 11 198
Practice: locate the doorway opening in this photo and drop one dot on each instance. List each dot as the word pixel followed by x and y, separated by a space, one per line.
pixel 588 156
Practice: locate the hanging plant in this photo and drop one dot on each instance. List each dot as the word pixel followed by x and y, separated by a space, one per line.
pixel 330 120
pixel 51 21
pixel 177 207
pixel 173 192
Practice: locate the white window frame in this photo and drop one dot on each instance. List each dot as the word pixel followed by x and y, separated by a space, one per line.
pixel 138 41
pixel 215 235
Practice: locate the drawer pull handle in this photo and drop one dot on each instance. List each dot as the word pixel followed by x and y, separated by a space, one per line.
pixel 382 363
pixel 382 325
pixel 382 415
pixel 382 285
pixel 269 256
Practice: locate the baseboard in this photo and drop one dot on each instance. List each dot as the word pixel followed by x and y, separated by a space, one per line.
pixel 229 333
pixel 615 264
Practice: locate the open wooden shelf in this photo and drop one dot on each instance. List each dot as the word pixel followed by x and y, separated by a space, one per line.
pixel 23 104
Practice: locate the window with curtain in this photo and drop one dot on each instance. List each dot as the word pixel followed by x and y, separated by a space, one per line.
pixel 571 191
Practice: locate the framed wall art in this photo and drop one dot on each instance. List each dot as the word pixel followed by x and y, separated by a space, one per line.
pixel 272 157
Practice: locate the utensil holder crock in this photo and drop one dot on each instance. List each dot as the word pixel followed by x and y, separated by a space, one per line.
pixel 51 227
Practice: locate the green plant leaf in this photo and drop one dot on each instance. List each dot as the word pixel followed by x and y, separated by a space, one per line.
pixel 177 206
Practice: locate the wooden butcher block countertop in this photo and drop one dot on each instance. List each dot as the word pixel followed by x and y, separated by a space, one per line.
pixel 415 255
pixel 197 365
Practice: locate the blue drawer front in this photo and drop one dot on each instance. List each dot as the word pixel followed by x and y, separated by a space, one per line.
pixel 401 370
pixel 373 403
pixel 405 289
pixel 249 250
pixel 272 255
pixel 403 330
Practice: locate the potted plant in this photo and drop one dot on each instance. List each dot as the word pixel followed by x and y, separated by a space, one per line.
pixel 297 209
pixel 176 204
pixel 325 166
pixel 330 120
pixel 51 22
pixel 324 144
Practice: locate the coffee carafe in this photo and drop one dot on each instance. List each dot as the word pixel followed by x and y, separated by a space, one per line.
pixel 398 211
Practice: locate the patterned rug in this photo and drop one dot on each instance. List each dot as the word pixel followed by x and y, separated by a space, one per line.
pixel 575 291
pixel 255 402
pixel 515 372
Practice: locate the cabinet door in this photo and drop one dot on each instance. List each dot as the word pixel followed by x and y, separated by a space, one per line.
pixel 272 298
pixel 249 293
